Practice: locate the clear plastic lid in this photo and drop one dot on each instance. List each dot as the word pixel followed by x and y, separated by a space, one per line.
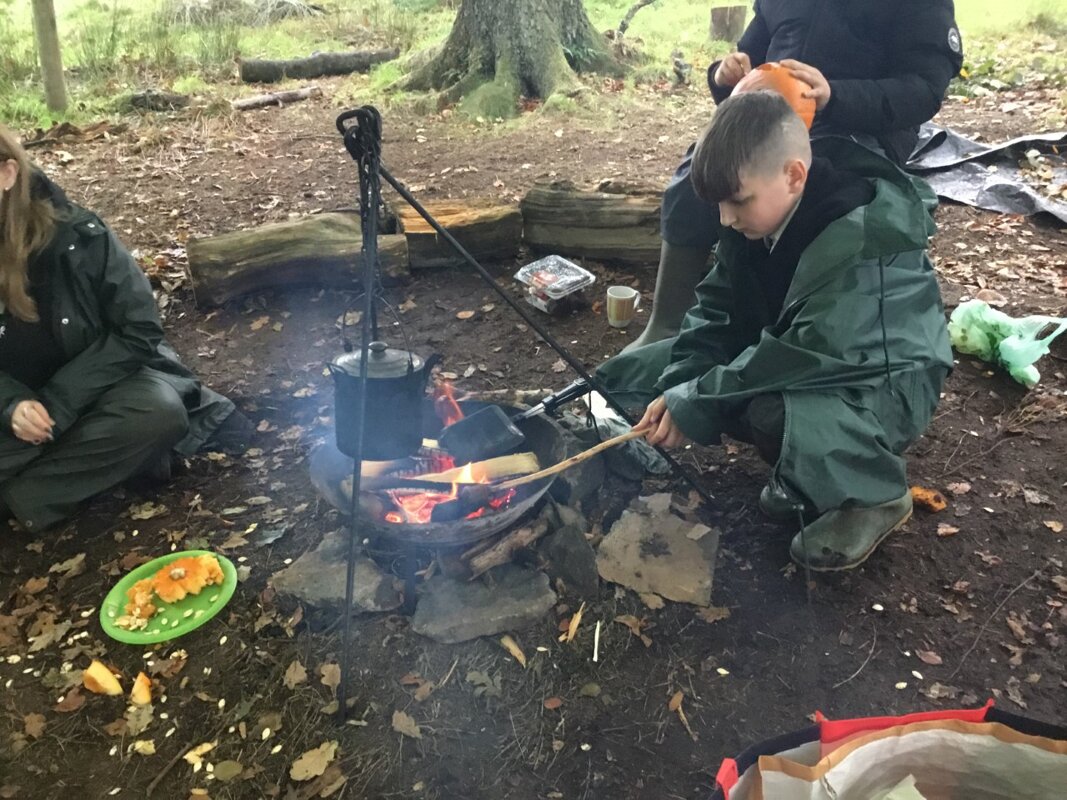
pixel 555 276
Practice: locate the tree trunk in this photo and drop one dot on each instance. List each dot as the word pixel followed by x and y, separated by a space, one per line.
pixel 501 49
pixel 727 23
pixel 44 22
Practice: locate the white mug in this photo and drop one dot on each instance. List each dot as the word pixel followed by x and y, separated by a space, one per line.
pixel 622 304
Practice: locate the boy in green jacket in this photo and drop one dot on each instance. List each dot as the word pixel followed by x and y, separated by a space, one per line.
pixel 818 335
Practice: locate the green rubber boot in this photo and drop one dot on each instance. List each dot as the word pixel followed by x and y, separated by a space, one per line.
pixel 680 270
pixel 844 538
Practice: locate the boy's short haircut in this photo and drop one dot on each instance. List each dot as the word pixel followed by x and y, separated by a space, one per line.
pixel 749 130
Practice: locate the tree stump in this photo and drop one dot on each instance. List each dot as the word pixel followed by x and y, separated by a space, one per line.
pixel 486 232
pixel 618 226
pixel 727 23
pixel 323 249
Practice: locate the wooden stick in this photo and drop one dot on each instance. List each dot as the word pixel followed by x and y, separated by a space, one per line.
pixel 503 551
pixel 570 462
pixel 275 98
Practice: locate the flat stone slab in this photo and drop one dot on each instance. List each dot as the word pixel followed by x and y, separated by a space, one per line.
pixel 318 578
pixel 652 551
pixel 510 599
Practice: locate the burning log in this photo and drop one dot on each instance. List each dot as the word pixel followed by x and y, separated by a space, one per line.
pixel 505 549
pixel 486 232
pixel 320 249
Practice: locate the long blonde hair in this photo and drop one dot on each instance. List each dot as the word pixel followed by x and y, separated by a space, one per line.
pixel 26 225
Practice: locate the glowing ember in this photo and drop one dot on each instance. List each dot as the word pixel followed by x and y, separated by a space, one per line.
pixel 444 403
pixel 417 507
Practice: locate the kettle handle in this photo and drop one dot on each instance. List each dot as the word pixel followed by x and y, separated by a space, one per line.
pixel 427 368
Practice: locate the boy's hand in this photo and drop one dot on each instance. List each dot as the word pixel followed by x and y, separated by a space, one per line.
pixel 820 87
pixel 732 69
pixel 31 422
pixel 662 430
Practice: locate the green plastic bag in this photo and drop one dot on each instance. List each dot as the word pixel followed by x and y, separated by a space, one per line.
pixel 993 336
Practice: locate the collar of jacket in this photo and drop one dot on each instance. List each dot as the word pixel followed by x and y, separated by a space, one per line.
pixel 897 220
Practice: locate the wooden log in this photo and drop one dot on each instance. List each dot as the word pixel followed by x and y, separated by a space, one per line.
pixel 255 70
pixel 622 227
pixel 486 231
pixel 727 23
pixel 321 249
pixel 505 549
pixel 275 98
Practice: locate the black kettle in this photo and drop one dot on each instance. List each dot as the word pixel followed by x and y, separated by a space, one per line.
pixel 396 385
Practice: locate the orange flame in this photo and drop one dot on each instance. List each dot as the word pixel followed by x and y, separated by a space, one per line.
pixel 444 403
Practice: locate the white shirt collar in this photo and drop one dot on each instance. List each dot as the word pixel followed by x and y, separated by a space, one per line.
pixel 775 237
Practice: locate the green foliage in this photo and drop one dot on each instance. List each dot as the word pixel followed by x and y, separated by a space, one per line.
pixel 560 104
pixel 100 33
pixel 497 99
pixel 190 84
pixel 18 54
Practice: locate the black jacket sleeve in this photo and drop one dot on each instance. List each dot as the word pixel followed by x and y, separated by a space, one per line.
pixel 927 54
pixel 131 329
pixel 753 43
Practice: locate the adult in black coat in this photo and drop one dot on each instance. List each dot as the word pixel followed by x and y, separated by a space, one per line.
pixel 89 392
pixel 877 71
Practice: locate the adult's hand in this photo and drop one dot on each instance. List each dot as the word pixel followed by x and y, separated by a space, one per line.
pixel 820 87
pixel 31 422
pixel 662 430
pixel 732 69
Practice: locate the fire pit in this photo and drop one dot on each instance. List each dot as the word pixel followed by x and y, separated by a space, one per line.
pixel 403 515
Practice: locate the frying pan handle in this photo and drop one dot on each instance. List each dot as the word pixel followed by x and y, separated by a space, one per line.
pixel 552 403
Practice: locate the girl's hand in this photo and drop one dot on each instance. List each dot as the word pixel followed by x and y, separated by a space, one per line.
pixel 31 422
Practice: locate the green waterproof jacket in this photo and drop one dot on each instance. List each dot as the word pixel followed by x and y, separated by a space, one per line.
pixel 863 311
pixel 108 327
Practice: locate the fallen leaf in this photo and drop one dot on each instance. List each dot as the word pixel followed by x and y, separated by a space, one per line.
pixel 1060 582
pixel 147 510
pixel 929 657
pixel 652 600
pixel 487 308
pixel 34 725
pixel 35 585
pixel 559 366
pixel 1035 498
pixel 960 488
pixel 675 701
pixel 1054 526
pixel 636 627
pixel 512 647
pixel 930 499
pixel 552 703
pixel 226 771
pixel 464 314
pixel 138 718
pixel 406 306
pixel 331 676
pixel 590 690
pixel 259 322
pixel 405 724
pixel 945 530
pixel 69 568
pixel 72 701
pixel 116 728
pixel 314 762
pixel 295 675
pixel 572 628
pixel 939 691
pixel 713 614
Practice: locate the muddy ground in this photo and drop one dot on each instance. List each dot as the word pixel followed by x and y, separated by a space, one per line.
pixel 963 605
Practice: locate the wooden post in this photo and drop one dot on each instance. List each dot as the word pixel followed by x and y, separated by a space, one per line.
pixel 728 23
pixel 44 23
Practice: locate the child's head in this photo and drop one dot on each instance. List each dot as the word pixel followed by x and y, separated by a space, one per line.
pixel 753 162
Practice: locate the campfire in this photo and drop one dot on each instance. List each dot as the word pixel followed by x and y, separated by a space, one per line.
pixel 408 504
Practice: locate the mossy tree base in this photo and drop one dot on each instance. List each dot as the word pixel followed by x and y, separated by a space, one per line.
pixel 501 49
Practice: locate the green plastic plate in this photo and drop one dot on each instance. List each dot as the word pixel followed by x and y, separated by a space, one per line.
pixel 172 619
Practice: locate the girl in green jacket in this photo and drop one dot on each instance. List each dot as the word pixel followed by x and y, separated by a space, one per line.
pixel 89 393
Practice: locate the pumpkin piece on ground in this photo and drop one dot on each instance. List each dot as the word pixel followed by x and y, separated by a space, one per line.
pixel 98 679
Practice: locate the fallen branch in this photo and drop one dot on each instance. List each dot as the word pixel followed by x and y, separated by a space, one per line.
pixel 866 661
pixel 991 618
pixel 504 550
pixel 630 14
pixel 267 71
pixel 275 98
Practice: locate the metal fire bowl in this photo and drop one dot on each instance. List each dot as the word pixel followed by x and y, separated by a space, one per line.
pixel 543 437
